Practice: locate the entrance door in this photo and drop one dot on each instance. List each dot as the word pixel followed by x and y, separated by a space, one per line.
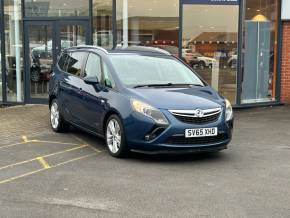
pixel 209 31
pixel 44 42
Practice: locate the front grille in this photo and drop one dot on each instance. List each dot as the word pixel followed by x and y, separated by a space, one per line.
pixel 209 116
pixel 181 140
pixel 198 120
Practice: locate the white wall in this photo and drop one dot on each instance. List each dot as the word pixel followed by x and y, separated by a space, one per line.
pixel 285 15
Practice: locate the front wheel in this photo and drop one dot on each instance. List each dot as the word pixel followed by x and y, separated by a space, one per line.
pixel 115 137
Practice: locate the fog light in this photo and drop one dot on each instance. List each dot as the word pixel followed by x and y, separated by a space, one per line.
pixel 154 133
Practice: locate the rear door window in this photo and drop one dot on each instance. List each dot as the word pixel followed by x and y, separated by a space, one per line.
pixel 62 62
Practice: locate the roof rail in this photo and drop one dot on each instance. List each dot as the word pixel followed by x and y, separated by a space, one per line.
pixel 89 46
pixel 143 48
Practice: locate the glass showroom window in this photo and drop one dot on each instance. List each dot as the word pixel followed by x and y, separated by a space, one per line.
pixel 13 50
pixel 209 44
pixel 56 8
pixel 150 23
pixel 1 85
pixel 102 23
pixel 259 51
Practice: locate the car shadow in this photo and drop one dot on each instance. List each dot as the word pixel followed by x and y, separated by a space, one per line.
pixel 176 158
pixel 207 157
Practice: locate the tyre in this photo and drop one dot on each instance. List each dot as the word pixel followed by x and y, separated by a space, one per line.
pixel 35 75
pixel 115 137
pixel 201 65
pixel 58 124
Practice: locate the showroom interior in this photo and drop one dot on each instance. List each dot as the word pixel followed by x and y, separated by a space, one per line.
pixel 234 45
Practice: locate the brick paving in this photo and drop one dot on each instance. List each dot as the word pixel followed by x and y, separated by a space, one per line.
pixel 18 121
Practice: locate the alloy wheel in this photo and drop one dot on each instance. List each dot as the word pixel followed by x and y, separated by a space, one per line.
pixel 54 115
pixel 113 134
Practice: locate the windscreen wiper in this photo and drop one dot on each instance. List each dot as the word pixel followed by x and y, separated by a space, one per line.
pixel 166 85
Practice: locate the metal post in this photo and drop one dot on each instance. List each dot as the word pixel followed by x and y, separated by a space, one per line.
pixel 17 51
pixel 125 23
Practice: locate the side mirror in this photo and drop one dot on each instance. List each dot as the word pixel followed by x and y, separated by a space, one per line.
pixel 91 80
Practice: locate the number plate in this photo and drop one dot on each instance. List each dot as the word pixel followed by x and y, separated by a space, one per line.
pixel 202 132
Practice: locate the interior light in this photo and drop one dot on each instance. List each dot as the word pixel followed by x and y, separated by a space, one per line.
pixel 260 18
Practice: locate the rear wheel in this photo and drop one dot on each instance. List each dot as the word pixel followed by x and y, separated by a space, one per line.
pixel 115 137
pixel 58 124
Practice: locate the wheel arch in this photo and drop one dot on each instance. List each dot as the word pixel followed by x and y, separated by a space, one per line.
pixel 107 116
pixel 51 97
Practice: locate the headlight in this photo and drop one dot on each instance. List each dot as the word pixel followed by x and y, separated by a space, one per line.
pixel 149 111
pixel 229 110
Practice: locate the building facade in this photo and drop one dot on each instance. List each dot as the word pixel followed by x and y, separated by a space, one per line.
pixel 285 69
pixel 234 45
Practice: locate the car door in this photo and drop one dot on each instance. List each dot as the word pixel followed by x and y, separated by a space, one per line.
pixel 71 87
pixel 92 102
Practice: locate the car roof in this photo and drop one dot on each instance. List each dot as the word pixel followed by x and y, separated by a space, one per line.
pixel 123 50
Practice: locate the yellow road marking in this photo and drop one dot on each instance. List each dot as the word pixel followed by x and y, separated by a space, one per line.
pixel 43 162
pixel 21 176
pixel 16 164
pixel 24 138
pixel 75 159
pixel 41 159
pixel 53 142
pixel 47 155
pixel 61 152
pixel 11 145
pixel 84 142
pixel 37 171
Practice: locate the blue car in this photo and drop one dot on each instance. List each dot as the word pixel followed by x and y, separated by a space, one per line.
pixel 138 99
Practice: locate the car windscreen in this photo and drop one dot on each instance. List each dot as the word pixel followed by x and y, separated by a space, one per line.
pixel 137 70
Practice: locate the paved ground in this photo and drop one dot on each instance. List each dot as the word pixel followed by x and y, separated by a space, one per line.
pixel 43 174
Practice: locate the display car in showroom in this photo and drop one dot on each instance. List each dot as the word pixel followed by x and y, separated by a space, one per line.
pixel 138 99
pixel 196 59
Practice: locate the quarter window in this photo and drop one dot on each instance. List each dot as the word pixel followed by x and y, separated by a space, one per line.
pixel 75 63
pixel 93 67
pixel 108 79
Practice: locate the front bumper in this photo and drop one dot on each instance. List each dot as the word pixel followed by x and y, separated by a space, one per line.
pixel 171 139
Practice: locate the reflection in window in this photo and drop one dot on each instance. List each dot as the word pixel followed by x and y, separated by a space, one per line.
pixel 13 49
pixel 93 67
pixel 260 51
pixel 1 95
pixel 209 44
pixel 102 23
pixel 75 63
pixel 57 8
pixel 149 23
pixel 108 79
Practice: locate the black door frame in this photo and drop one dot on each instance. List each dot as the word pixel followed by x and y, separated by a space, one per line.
pixel 56 48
